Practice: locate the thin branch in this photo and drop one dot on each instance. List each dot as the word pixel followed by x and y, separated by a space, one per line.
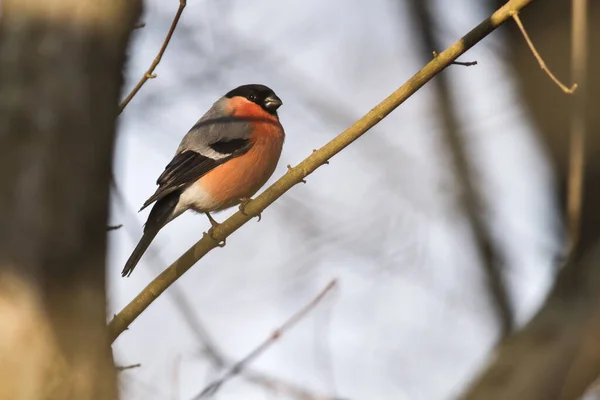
pixel 220 361
pixel 149 74
pixel 214 353
pixel 579 31
pixel 287 325
pixel 539 58
pixel 284 388
pixel 318 158
pixel 114 227
pixel 126 367
pixel 463 63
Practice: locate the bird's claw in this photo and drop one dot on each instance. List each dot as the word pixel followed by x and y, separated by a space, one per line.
pixel 212 221
pixel 211 235
pixel 211 232
pixel 243 203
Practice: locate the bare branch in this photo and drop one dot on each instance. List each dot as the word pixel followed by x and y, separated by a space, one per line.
pixel 318 158
pixel 213 352
pixel 287 325
pixel 126 367
pixel 579 26
pixel 149 74
pixel 463 63
pixel 539 58
pixel 220 361
pixel 114 227
pixel 284 388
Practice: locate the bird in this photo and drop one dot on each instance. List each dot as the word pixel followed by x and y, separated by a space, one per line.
pixel 223 160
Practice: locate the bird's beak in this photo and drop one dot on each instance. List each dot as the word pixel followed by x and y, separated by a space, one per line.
pixel 272 103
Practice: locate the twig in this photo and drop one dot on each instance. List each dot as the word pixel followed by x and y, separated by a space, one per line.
pixel 539 58
pixel 139 25
pixel 287 325
pixel 149 74
pixel 114 227
pixel 281 387
pixel 463 63
pixel 132 366
pixel 295 175
pixel 220 361
pixel 214 353
pixel 579 57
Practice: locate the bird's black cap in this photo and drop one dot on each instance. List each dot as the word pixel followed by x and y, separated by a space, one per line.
pixel 262 95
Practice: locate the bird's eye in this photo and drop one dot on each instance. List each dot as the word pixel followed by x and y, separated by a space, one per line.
pixel 252 97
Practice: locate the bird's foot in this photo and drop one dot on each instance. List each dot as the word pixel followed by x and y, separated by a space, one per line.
pixel 211 235
pixel 211 231
pixel 243 203
pixel 213 223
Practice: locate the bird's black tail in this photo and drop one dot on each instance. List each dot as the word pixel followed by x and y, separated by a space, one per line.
pixel 160 215
pixel 139 251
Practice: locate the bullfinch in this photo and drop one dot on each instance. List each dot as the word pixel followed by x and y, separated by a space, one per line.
pixel 227 156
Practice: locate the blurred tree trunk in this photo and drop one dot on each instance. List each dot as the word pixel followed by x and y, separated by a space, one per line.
pixel 557 355
pixel 469 200
pixel 60 77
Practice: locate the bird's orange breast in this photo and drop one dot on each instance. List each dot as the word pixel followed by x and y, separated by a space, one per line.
pixel 241 177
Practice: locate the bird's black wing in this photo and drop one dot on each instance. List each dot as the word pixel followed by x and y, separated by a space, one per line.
pixel 189 166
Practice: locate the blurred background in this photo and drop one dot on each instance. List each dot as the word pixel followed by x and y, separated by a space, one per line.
pixel 413 316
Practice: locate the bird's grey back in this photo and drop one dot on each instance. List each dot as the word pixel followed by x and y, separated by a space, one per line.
pixel 214 126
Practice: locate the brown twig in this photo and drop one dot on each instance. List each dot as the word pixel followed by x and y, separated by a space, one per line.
pixel 578 117
pixel 287 325
pixel 126 367
pixel 318 158
pixel 280 387
pixel 149 74
pixel 220 361
pixel 539 58
pixel 463 63
pixel 213 352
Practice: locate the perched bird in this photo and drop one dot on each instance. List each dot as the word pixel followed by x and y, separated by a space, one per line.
pixel 227 156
